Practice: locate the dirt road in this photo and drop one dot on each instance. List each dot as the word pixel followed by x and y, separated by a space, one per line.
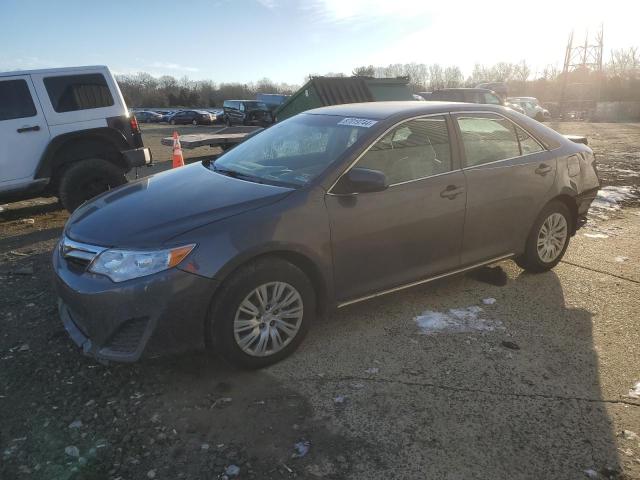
pixel 538 384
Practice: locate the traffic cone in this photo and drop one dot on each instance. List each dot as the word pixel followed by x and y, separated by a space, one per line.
pixel 178 160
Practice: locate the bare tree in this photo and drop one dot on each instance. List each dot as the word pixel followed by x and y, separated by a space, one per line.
pixel 368 71
pixel 452 77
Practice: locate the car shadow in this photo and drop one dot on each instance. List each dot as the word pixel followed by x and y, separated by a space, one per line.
pixel 522 401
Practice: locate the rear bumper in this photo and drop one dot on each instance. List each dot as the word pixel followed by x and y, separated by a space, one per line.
pixel 137 157
pixel 583 202
pixel 151 316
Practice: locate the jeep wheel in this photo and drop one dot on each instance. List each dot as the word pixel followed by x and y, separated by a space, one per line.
pixel 84 179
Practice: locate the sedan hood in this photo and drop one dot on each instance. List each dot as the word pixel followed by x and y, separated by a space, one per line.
pixel 150 211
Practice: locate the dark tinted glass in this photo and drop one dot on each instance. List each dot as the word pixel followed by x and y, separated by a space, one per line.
pixel 15 100
pixel 78 92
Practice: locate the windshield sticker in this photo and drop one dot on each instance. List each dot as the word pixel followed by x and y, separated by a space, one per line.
pixel 357 122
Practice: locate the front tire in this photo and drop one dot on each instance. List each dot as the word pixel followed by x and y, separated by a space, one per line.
pixel 194 123
pixel 85 179
pixel 228 121
pixel 261 314
pixel 548 240
pixel 172 122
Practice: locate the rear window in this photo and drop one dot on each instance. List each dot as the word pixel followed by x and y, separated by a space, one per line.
pixel 15 100
pixel 78 92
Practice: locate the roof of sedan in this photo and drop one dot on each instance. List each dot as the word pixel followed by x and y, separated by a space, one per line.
pixel 382 110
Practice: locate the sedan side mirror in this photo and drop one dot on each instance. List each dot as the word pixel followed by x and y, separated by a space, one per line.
pixel 362 180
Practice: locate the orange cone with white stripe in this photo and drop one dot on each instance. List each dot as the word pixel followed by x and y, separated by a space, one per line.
pixel 177 158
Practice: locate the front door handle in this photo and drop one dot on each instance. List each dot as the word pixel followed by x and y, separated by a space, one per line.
pixel 543 169
pixel 451 192
pixel 34 128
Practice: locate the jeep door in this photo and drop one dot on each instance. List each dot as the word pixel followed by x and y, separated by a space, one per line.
pixel 411 230
pixel 24 134
pixel 508 175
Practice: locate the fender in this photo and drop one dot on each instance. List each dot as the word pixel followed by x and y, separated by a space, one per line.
pixel 47 163
pixel 310 262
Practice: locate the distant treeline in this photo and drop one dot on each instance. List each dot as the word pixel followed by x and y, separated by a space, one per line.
pixel 144 90
pixel 619 81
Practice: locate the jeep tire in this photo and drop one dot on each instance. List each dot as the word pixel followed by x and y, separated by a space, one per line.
pixel 84 179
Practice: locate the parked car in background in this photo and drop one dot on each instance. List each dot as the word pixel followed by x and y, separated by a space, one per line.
pixel 500 88
pixel 194 117
pixel 168 115
pixel 425 95
pixel 467 95
pixel 531 107
pixel 218 114
pixel 247 112
pixel 514 106
pixel 65 132
pixel 147 116
pixel 325 209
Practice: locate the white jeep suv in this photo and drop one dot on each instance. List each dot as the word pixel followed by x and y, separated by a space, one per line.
pixel 65 132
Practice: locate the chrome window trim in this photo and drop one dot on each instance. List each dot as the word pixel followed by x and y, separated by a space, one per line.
pixel 455 114
pixel 346 170
pixel 425 280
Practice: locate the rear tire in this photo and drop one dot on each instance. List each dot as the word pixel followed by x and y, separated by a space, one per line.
pixel 227 121
pixel 548 239
pixel 84 179
pixel 225 331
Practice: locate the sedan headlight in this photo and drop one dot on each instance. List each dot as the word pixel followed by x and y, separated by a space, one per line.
pixel 121 265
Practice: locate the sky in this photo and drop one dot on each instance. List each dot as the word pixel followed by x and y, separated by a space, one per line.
pixel 286 40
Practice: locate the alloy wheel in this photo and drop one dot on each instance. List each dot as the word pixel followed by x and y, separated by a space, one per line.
pixel 552 237
pixel 268 319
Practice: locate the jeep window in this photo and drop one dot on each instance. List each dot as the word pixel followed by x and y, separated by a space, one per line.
pixel 15 100
pixel 78 92
pixel 291 153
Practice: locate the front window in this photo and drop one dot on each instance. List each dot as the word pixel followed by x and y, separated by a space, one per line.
pixel 294 152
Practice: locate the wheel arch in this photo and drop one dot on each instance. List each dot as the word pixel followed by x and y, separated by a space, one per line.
pixel 571 204
pixel 301 260
pixel 106 143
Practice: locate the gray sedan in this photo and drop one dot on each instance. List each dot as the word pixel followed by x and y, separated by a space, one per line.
pixel 331 207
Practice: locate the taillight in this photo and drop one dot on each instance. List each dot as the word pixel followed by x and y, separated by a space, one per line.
pixel 133 121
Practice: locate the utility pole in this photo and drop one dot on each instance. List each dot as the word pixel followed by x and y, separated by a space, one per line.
pixel 585 58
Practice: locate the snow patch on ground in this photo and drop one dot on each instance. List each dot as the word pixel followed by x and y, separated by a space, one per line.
pixel 635 391
pixel 609 198
pixel 596 235
pixel 456 320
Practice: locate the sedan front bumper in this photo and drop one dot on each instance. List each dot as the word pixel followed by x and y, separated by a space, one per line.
pixel 157 314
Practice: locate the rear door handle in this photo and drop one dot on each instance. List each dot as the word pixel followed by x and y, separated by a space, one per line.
pixel 34 128
pixel 543 169
pixel 451 192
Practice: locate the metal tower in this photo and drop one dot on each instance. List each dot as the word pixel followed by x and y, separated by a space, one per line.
pixel 585 58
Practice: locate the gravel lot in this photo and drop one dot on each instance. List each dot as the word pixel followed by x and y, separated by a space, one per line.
pixel 540 384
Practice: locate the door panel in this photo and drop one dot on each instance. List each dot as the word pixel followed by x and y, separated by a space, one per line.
pixel 405 233
pixel 503 196
pixel 24 133
pixel 503 200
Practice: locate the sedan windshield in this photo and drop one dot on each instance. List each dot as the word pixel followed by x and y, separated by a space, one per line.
pixel 293 152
